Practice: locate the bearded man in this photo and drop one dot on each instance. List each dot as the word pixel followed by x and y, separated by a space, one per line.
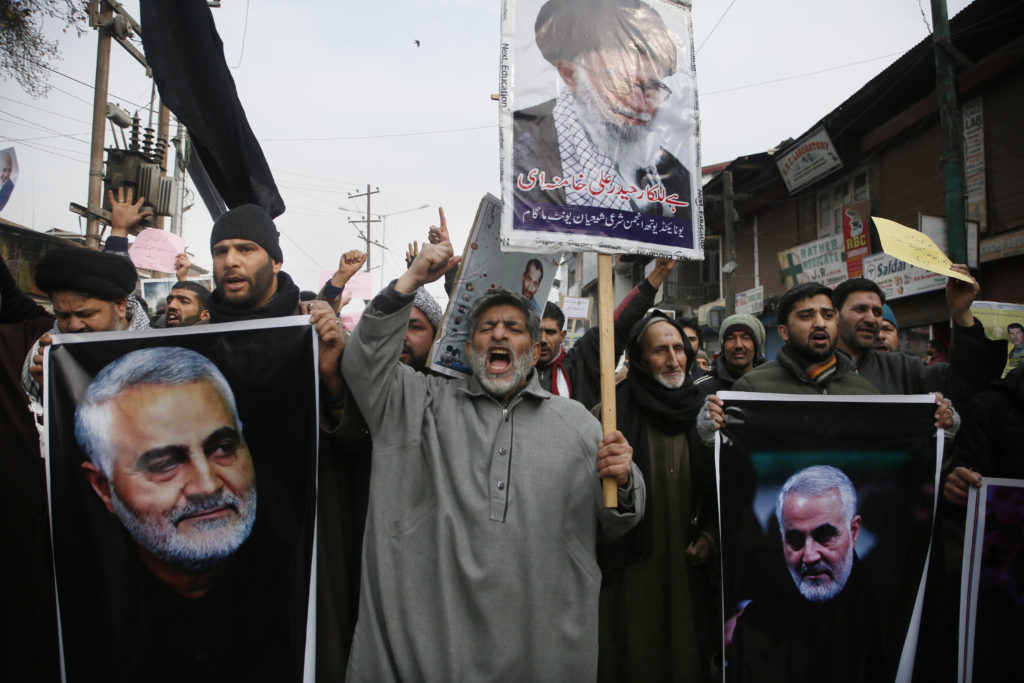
pixel 658 605
pixel 613 57
pixel 827 618
pixel 485 502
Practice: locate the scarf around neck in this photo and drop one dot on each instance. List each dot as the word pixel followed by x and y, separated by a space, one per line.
pixel 284 302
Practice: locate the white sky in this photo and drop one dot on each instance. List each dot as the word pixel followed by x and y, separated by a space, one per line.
pixel 339 96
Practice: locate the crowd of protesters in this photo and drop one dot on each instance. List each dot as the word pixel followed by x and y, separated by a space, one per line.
pixel 503 562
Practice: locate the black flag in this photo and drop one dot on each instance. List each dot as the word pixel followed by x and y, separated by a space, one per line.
pixel 187 57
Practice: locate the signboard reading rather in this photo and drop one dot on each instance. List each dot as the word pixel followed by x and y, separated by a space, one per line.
pixel 821 261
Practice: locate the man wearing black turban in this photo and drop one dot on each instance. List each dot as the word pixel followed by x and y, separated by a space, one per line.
pixel 91 291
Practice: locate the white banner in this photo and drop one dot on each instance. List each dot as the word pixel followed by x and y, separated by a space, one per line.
pixel 598 113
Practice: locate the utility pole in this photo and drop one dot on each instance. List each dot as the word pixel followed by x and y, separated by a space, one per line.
pixel 181 153
pixel 951 130
pixel 728 246
pixel 99 117
pixel 367 194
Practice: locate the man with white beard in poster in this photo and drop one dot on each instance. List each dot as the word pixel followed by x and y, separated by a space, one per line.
pixel 167 457
pixel 830 621
pixel 198 583
pixel 597 136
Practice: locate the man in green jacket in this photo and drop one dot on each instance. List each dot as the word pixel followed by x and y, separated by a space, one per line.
pixel 808 362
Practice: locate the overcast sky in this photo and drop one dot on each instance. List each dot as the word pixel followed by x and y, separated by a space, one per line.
pixel 340 96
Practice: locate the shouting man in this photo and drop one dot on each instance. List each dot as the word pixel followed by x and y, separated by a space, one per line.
pixel 485 502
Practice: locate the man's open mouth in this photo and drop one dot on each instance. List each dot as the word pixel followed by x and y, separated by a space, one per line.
pixel 499 360
pixel 234 283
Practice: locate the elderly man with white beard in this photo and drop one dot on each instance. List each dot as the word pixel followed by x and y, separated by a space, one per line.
pixel 613 57
pixel 201 575
pixel 168 459
pixel 827 622
pixel 485 502
pixel 658 598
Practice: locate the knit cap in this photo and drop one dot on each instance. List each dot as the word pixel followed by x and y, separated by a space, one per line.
pixel 248 222
pixel 426 303
pixel 745 322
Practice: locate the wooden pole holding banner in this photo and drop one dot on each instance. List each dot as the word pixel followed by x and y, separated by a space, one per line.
pixel 606 325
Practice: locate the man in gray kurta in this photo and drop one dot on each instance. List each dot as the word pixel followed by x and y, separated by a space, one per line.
pixel 485 503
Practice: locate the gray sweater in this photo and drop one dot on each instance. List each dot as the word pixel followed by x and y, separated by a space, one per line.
pixel 479 553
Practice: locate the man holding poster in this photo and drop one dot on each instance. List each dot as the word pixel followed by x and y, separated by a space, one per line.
pixel 485 502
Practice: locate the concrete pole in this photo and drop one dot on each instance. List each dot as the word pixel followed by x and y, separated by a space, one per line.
pixel 368 193
pixel 99 117
pixel 180 152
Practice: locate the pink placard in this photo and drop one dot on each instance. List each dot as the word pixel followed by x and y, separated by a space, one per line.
pixel 156 250
pixel 360 285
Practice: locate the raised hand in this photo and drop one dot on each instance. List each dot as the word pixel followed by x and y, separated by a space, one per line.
pixel 125 217
pixel 960 295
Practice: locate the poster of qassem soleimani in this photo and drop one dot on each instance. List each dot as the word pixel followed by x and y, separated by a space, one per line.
pixel 182 477
pixel 826 507
pixel 599 128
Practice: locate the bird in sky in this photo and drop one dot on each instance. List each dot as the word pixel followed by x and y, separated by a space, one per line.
pixel 417 43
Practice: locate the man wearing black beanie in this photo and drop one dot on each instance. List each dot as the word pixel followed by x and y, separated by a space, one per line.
pixel 247 271
pixel 91 291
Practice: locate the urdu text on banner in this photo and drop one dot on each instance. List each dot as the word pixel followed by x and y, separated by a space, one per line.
pixel 598 113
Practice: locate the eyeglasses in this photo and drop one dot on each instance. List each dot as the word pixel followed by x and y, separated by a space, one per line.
pixel 623 83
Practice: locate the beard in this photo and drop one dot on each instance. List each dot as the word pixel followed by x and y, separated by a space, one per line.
pixel 629 146
pixel 500 387
pixel 416 362
pixel 808 353
pixel 259 284
pixel 182 320
pixel 212 541
pixel 670 383
pixel 821 590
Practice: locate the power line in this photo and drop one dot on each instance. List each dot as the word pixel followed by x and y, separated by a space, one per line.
pixel 41 149
pixel 374 137
pixel 88 85
pixel 316 177
pixel 50 137
pixel 803 75
pixel 70 94
pixel 245 31
pixel 48 111
pixel 708 36
pixel 31 124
